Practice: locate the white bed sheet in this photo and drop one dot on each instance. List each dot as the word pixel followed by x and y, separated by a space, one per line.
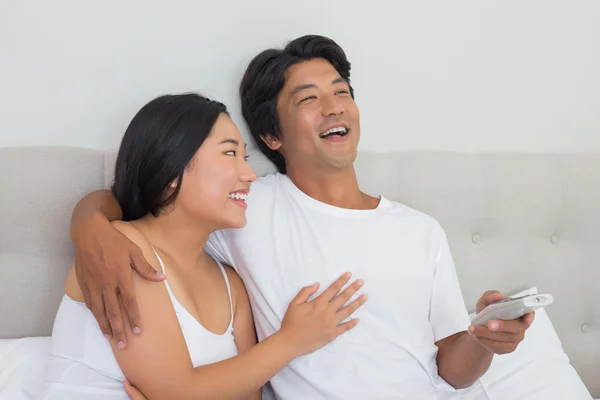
pixel 22 367
pixel 23 362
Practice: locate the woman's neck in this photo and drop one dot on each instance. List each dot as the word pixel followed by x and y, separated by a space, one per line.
pixel 181 238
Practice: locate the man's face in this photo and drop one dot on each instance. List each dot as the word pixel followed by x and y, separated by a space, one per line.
pixel 319 120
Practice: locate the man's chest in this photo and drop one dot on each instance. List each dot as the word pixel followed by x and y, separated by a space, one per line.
pixel 281 257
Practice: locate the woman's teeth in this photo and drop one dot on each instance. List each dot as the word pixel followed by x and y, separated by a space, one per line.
pixel 238 196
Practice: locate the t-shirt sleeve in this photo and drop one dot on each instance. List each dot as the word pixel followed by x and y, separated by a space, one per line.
pixel 217 247
pixel 448 313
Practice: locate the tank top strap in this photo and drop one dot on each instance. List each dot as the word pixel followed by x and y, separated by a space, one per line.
pixel 228 291
pixel 162 266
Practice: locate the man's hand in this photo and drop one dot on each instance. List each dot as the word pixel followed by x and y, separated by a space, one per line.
pixel 132 392
pixel 103 261
pixel 500 337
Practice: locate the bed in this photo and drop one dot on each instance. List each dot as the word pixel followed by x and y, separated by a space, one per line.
pixel 516 222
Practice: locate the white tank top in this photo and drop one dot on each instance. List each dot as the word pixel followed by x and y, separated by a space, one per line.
pixel 82 364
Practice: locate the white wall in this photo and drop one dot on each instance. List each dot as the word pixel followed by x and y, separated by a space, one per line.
pixel 461 75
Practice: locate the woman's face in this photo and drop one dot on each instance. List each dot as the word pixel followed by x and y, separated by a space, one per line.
pixel 217 181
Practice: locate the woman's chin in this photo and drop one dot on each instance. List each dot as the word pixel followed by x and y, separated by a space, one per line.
pixel 235 223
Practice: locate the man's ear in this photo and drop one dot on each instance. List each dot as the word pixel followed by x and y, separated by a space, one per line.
pixel 271 141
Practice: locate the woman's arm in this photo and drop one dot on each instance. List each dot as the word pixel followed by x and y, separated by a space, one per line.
pixel 159 365
pixel 244 331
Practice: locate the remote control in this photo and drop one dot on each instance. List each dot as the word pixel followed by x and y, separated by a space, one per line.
pixel 512 308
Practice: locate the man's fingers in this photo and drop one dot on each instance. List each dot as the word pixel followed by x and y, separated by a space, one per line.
pixel 113 313
pixel 132 392
pixel 143 268
pixel 351 308
pixel 491 296
pixel 127 295
pixel 528 318
pixel 86 295
pixel 481 332
pixel 305 293
pixel 87 299
pixel 514 326
pixel 128 389
pixel 335 287
pixel 97 308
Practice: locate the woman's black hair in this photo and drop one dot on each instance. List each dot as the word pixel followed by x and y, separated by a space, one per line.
pixel 265 77
pixel 159 143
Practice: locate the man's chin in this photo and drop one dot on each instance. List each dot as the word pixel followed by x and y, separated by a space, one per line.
pixel 342 163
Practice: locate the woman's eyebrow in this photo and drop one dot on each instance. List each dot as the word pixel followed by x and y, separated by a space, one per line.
pixel 232 141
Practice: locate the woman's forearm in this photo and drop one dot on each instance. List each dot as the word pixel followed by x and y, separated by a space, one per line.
pixel 240 376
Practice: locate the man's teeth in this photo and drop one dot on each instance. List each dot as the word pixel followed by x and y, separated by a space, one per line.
pixel 339 130
pixel 238 196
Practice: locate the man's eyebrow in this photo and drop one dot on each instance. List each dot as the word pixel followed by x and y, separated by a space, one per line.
pixel 312 85
pixel 303 87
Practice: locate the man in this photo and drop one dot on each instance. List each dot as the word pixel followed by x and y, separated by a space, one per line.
pixel 310 222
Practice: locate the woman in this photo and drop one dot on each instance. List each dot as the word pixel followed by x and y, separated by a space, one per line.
pixel 181 173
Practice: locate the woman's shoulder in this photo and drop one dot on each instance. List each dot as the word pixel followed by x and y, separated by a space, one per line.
pixel 235 283
pixel 137 237
pixel 131 232
pixel 234 279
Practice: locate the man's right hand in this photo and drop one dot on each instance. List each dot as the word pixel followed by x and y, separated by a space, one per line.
pixel 132 391
pixel 103 261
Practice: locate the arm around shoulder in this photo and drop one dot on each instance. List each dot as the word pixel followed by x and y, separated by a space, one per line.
pixel 100 203
pixel 103 259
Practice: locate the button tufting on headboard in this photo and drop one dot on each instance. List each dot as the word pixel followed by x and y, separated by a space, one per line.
pixel 536 213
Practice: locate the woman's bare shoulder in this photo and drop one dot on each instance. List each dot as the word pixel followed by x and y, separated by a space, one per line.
pixel 238 289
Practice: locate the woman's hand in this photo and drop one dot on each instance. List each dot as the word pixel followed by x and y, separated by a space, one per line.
pixel 310 325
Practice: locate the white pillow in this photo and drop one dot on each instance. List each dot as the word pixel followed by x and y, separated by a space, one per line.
pixel 538 369
pixel 23 367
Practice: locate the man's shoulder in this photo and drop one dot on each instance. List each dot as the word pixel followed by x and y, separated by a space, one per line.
pixel 417 218
pixel 264 188
pixel 269 180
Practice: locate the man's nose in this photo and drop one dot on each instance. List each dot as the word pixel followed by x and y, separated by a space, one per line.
pixel 331 106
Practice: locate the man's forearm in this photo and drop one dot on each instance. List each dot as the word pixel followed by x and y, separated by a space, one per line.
pixel 462 360
pixel 100 202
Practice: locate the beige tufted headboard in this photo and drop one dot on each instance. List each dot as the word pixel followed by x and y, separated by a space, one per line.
pixel 513 220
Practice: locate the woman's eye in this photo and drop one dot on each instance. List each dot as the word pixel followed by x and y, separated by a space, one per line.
pixel 342 91
pixel 231 153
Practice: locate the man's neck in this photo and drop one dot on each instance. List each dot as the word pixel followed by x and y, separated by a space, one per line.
pixel 337 188
pixel 180 237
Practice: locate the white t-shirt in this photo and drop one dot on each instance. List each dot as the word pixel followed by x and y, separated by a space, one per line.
pixel 292 240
